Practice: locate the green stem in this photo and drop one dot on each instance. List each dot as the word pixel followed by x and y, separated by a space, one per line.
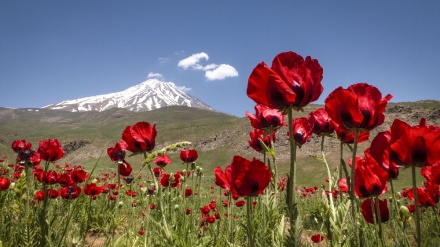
pixel 416 203
pixel 249 221
pixel 292 172
pixel 352 195
pixel 332 206
pixel 341 159
pixel 379 220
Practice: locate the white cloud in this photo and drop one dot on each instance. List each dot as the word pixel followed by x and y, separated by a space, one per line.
pixel 155 75
pixel 221 72
pixel 183 88
pixel 163 60
pixel 213 71
pixel 193 61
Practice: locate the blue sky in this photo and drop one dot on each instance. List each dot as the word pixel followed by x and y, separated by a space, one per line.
pixel 58 50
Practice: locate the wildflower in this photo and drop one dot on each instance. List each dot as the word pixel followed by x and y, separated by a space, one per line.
pixel 70 192
pixel 93 190
pixel 367 211
pixel 50 150
pixel 4 183
pixel 369 178
pixel 416 145
pixel 291 81
pixel 140 138
pixel 317 238
pixel 359 106
pixel 162 160
pixel 266 117
pixel 302 130
pixel 320 121
pixel 258 135
pixel 189 155
pixel 249 178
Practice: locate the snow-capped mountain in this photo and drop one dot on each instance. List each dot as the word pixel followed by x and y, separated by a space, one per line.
pixel 146 96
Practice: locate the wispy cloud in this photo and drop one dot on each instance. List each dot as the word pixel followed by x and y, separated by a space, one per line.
pixel 221 72
pixel 213 71
pixel 183 88
pixel 193 61
pixel 154 75
pixel 163 60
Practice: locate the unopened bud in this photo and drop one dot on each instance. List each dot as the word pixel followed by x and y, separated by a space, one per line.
pixel 404 213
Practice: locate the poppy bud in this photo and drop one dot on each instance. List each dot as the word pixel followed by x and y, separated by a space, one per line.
pixel 404 213
pixel 129 179
pixel 176 207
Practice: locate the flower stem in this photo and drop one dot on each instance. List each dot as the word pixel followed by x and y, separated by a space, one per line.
pixel 291 193
pixel 416 203
pixel 379 220
pixel 352 196
pixel 249 221
pixel 330 185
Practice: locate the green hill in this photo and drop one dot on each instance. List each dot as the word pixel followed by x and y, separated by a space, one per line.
pixel 216 136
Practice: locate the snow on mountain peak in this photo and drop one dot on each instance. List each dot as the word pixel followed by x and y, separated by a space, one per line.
pixel 148 95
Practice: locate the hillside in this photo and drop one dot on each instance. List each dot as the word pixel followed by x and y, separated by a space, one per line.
pixel 217 136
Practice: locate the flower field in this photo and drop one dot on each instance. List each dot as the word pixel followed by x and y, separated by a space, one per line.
pixel 250 202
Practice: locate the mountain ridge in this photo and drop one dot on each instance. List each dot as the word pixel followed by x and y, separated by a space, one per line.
pixel 146 96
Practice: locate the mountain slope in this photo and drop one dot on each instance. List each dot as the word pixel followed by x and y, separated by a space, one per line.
pixel 146 96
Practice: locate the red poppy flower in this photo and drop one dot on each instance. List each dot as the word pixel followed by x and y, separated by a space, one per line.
pixel 117 153
pixel 140 138
pixel 317 238
pixel 93 190
pixel 369 178
pixel 240 203
pixel 189 155
pixel 359 106
pixel 21 146
pixel 302 130
pixel 4 183
pixel 64 179
pixel 70 192
pixel 367 211
pixel 175 180
pixel 427 196
pixel 188 192
pixel 162 160
pixel 39 195
pixel 320 121
pixel 188 211
pixel 385 157
pixel 124 169
pixel 347 136
pixel 50 150
pixel 291 81
pixel 223 179
pixel 52 193
pixel 417 145
pixel 205 209
pixel 256 135
pixel 79 175
pixel 50 177
pixel 432 173
pixel 249 178
pixel 266 117
pixel 342 183
pixel 157 171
